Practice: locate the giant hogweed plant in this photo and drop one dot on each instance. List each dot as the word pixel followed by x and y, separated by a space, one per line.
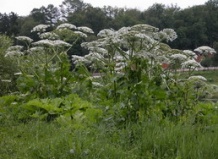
pixel 131 75
pixel 44 65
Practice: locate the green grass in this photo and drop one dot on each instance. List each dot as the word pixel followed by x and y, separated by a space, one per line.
pixel 147 140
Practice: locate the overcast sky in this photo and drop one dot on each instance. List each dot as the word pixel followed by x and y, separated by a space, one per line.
pixel 23 7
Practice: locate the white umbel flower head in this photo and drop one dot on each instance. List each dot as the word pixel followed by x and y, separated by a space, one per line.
pixel 178 57
pixel 190 53
pixel 205 50
pixel 45 42
pixel 197 78
pixel 49 35
pixel 15 48
pixel 13 53
pixel 144 28
pixel 40 28
pixel 61 43
pixel 85 29
pixel 171 34
pixel 191 64
pixel 66 26
pixel 81 34
pixel 106 33
pixel 24 38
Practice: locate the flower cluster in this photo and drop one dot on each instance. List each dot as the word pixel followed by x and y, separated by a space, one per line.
pixel 113 44
pixel 170 34
pixel 178 57
pixel 81 34
pixel 40 28
pixel 85 29
pixel 13 53
pixel 24 38
pixel 190 54
pixel 197 78
pixel 49 35
pixel 191 64
pixel 36 49
pixel 205 50
pixel 15 48
pixel 52 43
pixel 66 26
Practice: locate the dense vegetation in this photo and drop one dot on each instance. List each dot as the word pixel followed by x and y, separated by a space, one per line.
pixel 116 100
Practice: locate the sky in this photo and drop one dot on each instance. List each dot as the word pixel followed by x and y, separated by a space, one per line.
pixel 24 7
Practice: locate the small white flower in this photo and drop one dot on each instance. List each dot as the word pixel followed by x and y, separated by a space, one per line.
pixel 40 28
pixel 85 29
pixel 24 38
pixel 66 26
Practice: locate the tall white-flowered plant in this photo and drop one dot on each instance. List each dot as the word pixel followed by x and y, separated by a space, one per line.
pixel 138 41
pixel 46 60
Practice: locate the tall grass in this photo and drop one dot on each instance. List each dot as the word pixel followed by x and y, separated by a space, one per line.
pixel 146 140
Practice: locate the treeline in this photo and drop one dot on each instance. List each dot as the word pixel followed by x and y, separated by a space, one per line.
pixel 195 25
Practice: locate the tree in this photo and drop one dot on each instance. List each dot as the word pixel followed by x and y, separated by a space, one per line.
pixel 9 24
pixel 70 6
pixel 212 21
pixel 46 15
